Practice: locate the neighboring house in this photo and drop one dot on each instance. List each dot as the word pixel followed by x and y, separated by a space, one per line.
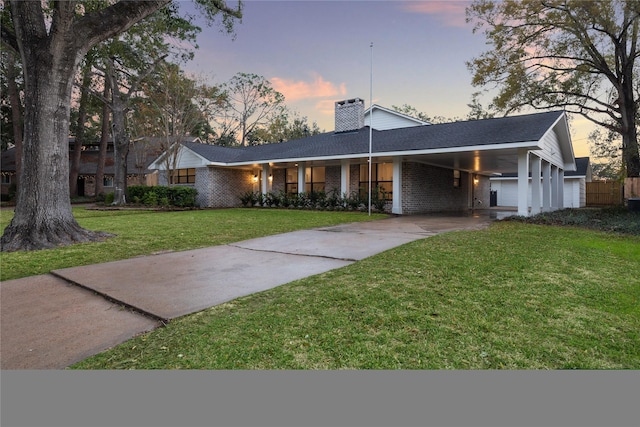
pixel 505 187
pixel 141 153
pixel 423 168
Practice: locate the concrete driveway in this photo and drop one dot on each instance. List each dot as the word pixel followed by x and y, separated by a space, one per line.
pixel 52 321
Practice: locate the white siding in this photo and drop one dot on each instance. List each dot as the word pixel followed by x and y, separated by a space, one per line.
pixel 186 159
pixel 507 192
pixel 383 120
pixel 551 150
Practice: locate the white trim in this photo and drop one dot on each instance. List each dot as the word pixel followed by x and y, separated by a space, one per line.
pixel 523 182
pixel 396 207
pixel 536 203
pixel 301 180
pixel 345 176
pixel 397 113
pixel 530 145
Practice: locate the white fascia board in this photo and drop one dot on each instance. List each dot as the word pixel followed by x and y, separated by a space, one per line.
pixel 300 159
pixel 531 145
pixel 565 143
pixel 158 163
pixel 396 113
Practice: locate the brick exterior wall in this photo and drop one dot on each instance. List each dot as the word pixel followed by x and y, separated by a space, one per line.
pixel 279 180
pixel 425 188
pixel 428 188
pixel 221 187
pixel 332 179
pixel 482 193
pixel 349 115
pixel 354 179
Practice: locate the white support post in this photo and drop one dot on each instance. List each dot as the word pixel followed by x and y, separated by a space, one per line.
pixel 546 186
pixel 345 176
pixel 560 188
pixel 555 177
pixel 554 187
pixel 396 207
pixel 301 182
pixel 536 206
pixel 266 183
pixel 523 182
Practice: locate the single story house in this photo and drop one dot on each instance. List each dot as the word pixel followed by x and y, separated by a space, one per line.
pixel 504 188
pixel 422 167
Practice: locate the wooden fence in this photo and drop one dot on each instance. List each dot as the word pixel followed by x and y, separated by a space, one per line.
pixel 604 193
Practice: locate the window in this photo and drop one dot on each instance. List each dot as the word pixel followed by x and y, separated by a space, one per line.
pixel 183 176
pixel 381 178
pixel 107 181
pixel 314 179
pixel 6 179
pixel 291 183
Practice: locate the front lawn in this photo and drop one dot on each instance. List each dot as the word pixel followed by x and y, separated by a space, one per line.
pixel 513 296
pixel 143 232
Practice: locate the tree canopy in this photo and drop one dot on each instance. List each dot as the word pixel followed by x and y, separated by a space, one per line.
pixel 51 39
pixel 581 56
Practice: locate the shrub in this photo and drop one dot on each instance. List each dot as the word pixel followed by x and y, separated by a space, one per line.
pixel 150 199
pixel 108 198
pixel 182 196
pixel 248 198
pixel 163 195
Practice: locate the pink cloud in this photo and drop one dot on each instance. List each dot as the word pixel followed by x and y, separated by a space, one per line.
pixel 318 88
pixel 450 13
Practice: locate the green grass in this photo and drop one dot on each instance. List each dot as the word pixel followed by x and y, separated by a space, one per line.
pixel 513 296
pixel 143 232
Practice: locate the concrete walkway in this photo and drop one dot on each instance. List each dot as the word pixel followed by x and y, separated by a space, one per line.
pixel 54 320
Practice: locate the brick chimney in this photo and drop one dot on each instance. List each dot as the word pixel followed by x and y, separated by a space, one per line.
pixel 349 115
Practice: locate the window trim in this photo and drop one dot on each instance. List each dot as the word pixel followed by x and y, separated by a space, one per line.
pixel 364 182
pixel 183 176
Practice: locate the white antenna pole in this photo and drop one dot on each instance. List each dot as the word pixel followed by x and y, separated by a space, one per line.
pixel 370 120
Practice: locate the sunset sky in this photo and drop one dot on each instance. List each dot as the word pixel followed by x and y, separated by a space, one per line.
pixel 318 52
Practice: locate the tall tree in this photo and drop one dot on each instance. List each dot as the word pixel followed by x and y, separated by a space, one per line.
pixel 284 127
pixel 105 137
pixel 52 38
pixel 174 106
pixel 578 55
pixel 252 102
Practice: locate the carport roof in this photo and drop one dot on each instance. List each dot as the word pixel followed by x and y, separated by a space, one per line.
pixel 438 141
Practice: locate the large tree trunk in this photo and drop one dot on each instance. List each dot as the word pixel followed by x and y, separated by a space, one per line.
pixel 104 142
pixel 80 132
pixel 43 217
pixel 51 47
pixel 629 111
pixel 120 138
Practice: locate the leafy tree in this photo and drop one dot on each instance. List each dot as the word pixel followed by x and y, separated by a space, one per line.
pixel 127 60
pixel 606 148
pixel 283 127
pixel 251 102
pixel 581 56
pixel 174 106
pixel 412 111
pixel 84 127
pixel 52 38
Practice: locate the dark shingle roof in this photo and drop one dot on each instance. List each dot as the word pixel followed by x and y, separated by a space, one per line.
pixel 504 130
